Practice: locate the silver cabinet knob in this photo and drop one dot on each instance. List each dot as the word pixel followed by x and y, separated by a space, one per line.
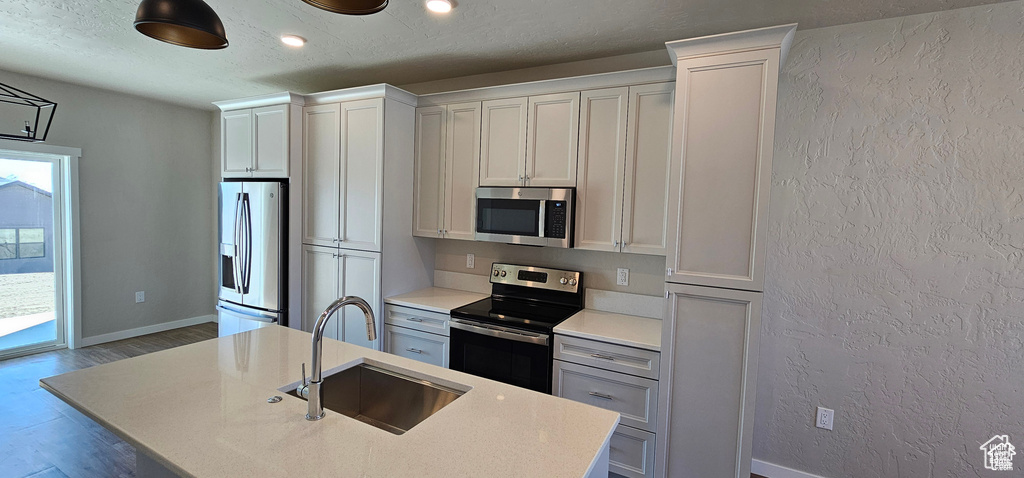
pixel 503 273
pixel 496 273
pixel 563 281
pixel 572 282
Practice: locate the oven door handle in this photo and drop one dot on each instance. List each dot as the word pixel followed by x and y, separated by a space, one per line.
pixel 500 332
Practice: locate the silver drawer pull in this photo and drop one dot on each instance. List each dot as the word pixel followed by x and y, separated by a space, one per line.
pixel 415 351
pixel 414 319
pixel 602 357
pixel 601 396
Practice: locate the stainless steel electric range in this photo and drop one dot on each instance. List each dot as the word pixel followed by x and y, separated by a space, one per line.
pixel 508 336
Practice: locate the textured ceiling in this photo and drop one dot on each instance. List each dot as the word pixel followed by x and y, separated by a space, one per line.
pixel 92 42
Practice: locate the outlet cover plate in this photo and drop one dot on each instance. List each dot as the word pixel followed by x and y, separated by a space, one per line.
pixel 140 297
pixel 470 261
pixel 824 418
pixel 622 277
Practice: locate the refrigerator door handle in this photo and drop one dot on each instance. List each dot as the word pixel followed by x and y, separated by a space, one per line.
pixel 248 313
pixel 236 263
pixel 247 212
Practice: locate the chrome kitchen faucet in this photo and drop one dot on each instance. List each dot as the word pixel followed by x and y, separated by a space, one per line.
pixel 311 391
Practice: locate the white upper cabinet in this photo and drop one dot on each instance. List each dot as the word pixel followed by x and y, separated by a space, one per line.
pixel 343 174
pixel 553 123
pixel 236 143
pixel 503 142
pixel 428 203
pixel 255 142
pixel 270 159
pixel 724 135
pixel 648 169
pixel 462 168
pixel 622 181
pixel 321 127
pixel 599 177
pixel 447 170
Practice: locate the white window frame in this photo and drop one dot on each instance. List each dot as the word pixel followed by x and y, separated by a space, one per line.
pixel 66 221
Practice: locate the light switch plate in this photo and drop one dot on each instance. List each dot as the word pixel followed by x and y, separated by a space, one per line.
pixel 470 261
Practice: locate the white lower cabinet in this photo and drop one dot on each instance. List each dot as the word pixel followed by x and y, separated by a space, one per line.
pixel 417 334
pixel 330 273
pixel 421 346
pixel 587 371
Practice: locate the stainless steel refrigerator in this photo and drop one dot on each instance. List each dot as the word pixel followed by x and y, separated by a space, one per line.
pixel 253 267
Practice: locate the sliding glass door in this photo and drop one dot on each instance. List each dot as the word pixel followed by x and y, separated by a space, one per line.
pixel 31 253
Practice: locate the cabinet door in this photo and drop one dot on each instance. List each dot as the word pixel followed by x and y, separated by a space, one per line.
pixel 599 178
pixel 648 169
pixel 462 164
pixel 421 346
pixel 429 164
pixel 359 275
pixel 503 142
pixel 362 174
pixel 321 133
pixel 551 140
pixel 709 382
pixel 319 287
pixel 272 141
pixel 236 143
pixel 724 132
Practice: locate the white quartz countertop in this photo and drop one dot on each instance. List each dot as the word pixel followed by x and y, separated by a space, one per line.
pixel 628 330
pixel 436 299
pixel 201 410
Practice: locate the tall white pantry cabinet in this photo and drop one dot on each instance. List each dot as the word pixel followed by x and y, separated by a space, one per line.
pixel 722 143
pixel 354 196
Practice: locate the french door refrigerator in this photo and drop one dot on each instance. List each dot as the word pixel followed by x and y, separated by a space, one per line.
pixel 253 224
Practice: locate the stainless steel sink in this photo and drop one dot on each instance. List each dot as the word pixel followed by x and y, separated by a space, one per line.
pixel 383 398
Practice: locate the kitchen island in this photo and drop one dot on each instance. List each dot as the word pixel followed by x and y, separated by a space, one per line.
pixel 202 410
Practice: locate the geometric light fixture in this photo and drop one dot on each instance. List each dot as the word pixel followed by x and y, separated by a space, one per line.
pixel 27 105
pixel 189 23
pixel 349 7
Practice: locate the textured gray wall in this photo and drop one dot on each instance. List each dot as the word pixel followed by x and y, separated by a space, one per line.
pixel 894 285
pixel 146 203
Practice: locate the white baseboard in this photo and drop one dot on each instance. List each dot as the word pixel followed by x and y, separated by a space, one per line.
pixel 149 329
pixel 772 470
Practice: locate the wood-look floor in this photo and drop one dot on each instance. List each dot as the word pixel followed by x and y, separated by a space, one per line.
pixel 41 436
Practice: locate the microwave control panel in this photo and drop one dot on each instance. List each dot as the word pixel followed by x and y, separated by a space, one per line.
pixel 555 219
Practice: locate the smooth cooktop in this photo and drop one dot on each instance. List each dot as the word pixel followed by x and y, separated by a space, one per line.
pixel 519 313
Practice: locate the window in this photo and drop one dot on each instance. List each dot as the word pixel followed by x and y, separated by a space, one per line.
pixel 24 243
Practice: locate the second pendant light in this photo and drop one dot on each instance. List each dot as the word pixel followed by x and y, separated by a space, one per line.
pixel 349 7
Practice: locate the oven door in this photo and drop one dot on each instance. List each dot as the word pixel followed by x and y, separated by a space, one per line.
pixel 511 356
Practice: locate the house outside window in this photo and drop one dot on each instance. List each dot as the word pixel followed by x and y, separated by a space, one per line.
pixel 22 243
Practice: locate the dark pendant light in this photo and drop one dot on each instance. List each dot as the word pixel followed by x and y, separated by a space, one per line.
pixel 349 7
pixel 190 23
pixel 39 111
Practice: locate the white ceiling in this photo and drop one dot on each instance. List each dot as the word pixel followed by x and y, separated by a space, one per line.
pixel 92 42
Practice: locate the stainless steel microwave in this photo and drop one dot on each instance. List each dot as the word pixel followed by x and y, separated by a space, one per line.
pixel 531 216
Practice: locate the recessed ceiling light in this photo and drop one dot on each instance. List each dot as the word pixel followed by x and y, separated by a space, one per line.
pixel 293 40
pixel 439 6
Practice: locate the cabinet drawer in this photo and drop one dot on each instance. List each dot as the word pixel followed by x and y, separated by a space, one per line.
pixel 616 358
pixel 421 346
pixel 635 398
pixel 632 453
pixel 433 322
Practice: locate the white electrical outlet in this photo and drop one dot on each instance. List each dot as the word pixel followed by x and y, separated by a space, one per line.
pixel 824 419
pixel 622 277
pixel 470 261
pixel 140 297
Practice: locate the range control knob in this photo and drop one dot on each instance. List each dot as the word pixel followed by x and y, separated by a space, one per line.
pixel 495 272
pixel 572 282
pixel 563 281
pixel 503 273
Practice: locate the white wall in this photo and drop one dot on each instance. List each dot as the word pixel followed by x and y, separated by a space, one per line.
pixel 894 283
pixel 145 203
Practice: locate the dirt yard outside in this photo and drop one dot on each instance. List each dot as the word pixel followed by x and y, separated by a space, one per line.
pixel 26 294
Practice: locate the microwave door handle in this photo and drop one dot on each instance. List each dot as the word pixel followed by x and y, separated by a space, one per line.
pixel 542 218
pixel 236 263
